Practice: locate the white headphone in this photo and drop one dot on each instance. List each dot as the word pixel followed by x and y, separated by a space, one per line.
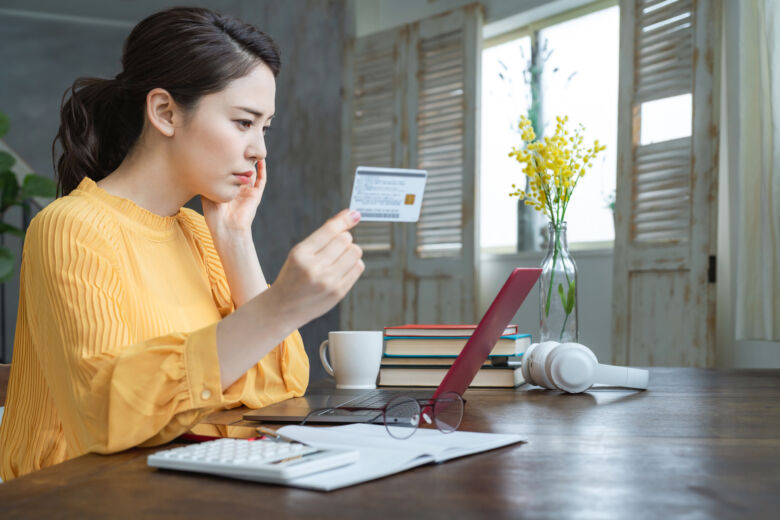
pixel 573 368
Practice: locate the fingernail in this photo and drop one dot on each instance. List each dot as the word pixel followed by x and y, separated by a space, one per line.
pixel 354 216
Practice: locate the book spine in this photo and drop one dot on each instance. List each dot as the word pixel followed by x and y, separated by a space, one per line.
pixel 431 377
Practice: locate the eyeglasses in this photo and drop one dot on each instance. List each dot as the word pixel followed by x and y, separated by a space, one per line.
pixel 401 415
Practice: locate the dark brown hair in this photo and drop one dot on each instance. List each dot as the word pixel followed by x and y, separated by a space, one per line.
pixel 190 52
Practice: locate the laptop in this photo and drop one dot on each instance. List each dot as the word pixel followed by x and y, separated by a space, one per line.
pixel 457 379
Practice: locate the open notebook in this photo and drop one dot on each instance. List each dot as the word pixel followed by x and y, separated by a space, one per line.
pixel 382 455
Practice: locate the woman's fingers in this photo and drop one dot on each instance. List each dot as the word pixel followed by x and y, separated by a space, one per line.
pixel 261 174
pixel 321 269
pixel 341 222
pixel 346 261
pixel 335 248
pixel 351 277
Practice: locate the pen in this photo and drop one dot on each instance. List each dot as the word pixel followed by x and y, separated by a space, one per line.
pixel 276 435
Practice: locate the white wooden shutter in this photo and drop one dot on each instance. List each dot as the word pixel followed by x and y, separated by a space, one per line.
pixel 666 192
pixel 444 102
pixel 372 125
pixel 411 100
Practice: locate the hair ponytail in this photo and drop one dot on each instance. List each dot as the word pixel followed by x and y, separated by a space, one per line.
pixel 188 51
pixel 98 126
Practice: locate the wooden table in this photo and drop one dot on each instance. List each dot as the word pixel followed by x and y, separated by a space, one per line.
pixel 697 444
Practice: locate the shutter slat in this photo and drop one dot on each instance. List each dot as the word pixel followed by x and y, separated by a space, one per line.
pixel 677 164
pixel 664 64
pixel 669 184
pixel 663 214
pixel 661 205
pixel 679 224
pixel 661 33
pixel 651 17
pixel 677 57
pixel 650 44
pixel 439 142
pixel 440 42
pixel 663 194
pixel 672 146
pixel 447 219
pixel 373 127
pixel 434 87
pixel 444 66
pixel 676 76
pixel 675 236
pixel 443 121
pixel 428 100
pixel 660 210
pixel 680 172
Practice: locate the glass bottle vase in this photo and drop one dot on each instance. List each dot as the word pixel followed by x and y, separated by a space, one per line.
pixel 558 289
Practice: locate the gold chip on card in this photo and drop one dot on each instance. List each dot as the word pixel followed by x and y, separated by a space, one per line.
pixel 409 200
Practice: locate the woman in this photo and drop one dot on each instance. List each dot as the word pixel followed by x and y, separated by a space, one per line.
pixel 138 317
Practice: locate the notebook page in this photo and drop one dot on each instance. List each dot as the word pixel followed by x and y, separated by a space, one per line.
pixel 442 446
pixel 382 455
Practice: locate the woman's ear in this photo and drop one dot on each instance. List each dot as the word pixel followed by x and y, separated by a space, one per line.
pixel 161 110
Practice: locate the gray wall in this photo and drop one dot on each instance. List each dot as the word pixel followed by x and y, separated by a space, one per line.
pixel 47 45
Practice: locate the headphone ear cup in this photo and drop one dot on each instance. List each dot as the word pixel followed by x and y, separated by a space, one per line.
pixel 525 365
pixel 571 367
pixel 538 360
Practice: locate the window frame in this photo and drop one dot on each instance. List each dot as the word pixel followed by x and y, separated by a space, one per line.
pixel 532 30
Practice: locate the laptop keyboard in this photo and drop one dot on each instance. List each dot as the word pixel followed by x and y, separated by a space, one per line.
pixel 379 398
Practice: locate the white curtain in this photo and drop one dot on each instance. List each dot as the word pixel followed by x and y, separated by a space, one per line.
pixel 752 91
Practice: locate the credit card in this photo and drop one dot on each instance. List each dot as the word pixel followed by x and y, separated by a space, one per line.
pixel 388 194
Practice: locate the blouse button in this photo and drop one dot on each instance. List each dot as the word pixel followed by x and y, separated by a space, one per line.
pixel 205 394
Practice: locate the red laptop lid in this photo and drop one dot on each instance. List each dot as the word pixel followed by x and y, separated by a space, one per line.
pixel 487 333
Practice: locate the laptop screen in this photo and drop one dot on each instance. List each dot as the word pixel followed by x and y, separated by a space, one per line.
pixel 488 332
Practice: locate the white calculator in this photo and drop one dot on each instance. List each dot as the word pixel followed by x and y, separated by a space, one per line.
pixel 253 459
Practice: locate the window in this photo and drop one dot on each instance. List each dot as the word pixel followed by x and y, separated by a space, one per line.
pixel 566 66
pixel 505 95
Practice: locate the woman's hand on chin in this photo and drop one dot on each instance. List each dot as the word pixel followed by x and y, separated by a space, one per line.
pixel 237 215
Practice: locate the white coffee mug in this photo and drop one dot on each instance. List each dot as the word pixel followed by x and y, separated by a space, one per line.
pixel 356 356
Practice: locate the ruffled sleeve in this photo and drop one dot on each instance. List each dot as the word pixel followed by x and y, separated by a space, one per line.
pixel 109 394
pixel 280 375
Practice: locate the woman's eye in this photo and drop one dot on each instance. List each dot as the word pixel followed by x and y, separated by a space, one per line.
pixel 244 123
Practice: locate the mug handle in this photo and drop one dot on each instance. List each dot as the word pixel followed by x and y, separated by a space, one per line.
pixel 324 359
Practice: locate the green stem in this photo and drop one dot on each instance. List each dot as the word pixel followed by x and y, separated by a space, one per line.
pixel 558 246
pixel 556 243
pixel 564 325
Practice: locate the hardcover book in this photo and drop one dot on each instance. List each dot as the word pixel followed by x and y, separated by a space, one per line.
pixel 418 330
pixel 505 377
pixel 511 345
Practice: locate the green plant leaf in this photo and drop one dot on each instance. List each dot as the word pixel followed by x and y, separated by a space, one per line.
pixel 5 124
pixel 569 305
pixel 9 189
pixel 560 293
pixel 6 161
pixel 8 228
pixel 7 261
pixel 38 186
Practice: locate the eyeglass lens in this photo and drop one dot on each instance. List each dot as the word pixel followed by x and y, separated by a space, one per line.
pixel 402 415
pixel 448 412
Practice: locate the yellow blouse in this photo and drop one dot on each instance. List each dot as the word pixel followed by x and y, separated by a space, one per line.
pixel 115 340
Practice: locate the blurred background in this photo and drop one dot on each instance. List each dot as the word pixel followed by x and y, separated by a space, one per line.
pixel 563 57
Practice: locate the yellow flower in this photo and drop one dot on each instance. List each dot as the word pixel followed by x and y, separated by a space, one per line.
pixel 553 164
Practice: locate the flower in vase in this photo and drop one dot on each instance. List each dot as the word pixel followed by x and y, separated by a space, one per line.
pixel 554 165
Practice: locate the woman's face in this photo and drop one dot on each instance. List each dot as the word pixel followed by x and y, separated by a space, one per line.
pixel 224 136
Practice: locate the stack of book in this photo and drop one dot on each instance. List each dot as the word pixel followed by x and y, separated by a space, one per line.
pixel 420 355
